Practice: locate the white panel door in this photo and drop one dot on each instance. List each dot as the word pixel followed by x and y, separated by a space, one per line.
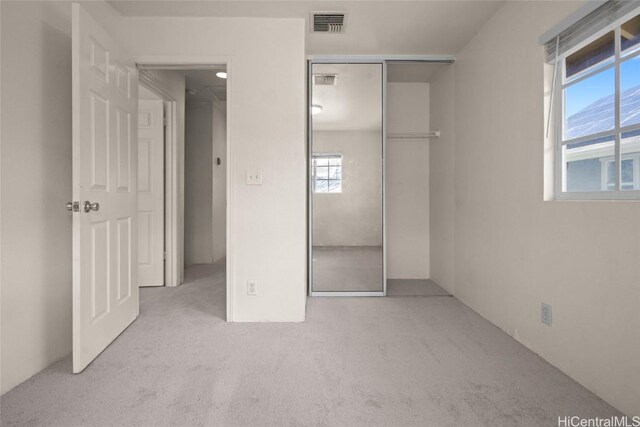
pixel 105 173
pixel 150 193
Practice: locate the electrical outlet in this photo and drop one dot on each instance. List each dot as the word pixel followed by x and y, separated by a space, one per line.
pixel 252 287
pixel 546 315
pixel 254 177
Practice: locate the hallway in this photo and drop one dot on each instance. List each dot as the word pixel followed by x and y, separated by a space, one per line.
pixel 428 361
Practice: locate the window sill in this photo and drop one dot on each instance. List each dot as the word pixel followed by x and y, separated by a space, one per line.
pixel 622 196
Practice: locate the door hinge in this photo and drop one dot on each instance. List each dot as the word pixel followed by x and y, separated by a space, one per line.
pixel 164 255
pixel 164 121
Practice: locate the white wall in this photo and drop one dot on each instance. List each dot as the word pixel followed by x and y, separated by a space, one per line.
pixel 198 183
pixel 219 199
pixel 407 174
pixel 512 249
pixel 442 179
pixel 267 129
pixel 35 185
pixel 353 217
pixel 205 182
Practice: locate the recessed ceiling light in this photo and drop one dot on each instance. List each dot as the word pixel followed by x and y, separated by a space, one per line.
pixel 222 74
pixel 316 109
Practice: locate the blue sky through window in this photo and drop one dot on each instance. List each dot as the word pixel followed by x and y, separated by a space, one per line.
pixel 590 106
pixel 630 73
pixel 630 84
pixel 586 92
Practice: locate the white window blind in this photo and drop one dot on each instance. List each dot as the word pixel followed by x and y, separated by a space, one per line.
pixel 569 36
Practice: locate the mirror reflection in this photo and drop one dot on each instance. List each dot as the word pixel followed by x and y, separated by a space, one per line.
pixel 347 178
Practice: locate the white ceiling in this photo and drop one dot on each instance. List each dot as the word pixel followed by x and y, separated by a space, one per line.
pixel 372 27
pixel 354 102
pixel 208 86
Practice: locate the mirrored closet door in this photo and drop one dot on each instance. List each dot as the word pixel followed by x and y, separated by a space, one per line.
pixel 346 162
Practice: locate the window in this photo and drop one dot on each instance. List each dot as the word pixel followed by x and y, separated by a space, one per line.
pixel 327 173
pixel 598 115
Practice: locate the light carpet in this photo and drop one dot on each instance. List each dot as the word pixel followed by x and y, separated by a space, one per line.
pixel 354 362
pixel 414 288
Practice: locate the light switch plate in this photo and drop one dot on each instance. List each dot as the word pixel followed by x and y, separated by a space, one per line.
pixel 254 177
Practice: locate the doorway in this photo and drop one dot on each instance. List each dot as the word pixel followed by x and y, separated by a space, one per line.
pixel 183 180
pixel 205 167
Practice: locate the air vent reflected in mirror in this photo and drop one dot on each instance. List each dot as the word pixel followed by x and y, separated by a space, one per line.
pixel 325 79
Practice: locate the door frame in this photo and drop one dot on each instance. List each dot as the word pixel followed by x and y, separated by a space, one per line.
pixel 178 62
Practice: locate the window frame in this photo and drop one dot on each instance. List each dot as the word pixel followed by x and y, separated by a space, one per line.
pixel 313 172
pixel 559 116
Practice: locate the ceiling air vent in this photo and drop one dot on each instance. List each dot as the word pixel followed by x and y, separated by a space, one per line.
pixel 327 22
pixel 324 79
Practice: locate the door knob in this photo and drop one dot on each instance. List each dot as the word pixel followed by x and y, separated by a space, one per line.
pixel 73 206
pixel 88 206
